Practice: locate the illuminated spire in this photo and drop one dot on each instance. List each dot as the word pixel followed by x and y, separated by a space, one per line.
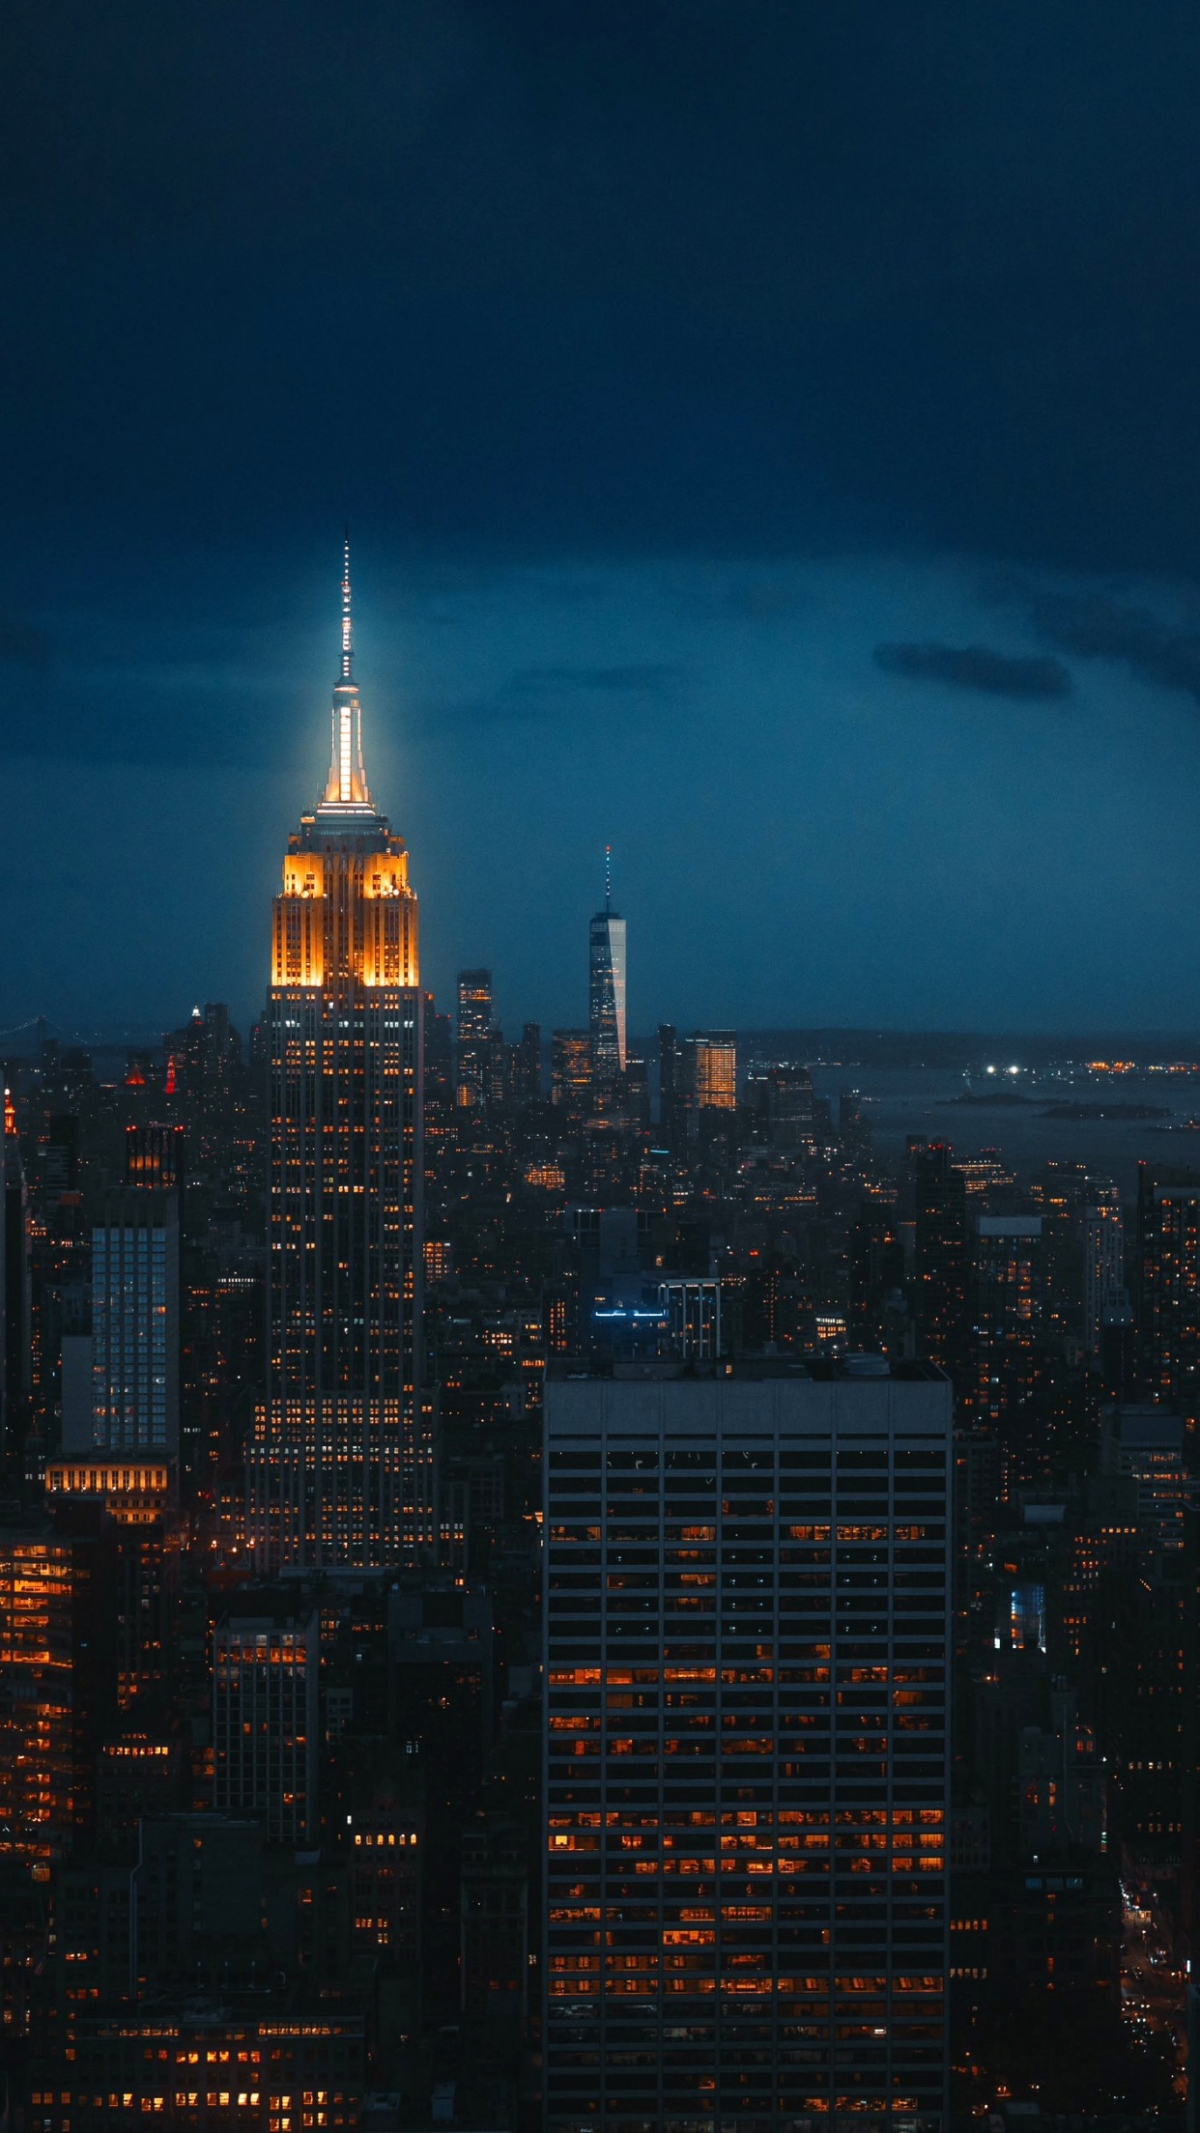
pixel 346 786
pixel 347 621
pixel 608 877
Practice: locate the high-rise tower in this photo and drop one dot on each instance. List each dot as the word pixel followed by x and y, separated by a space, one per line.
pixel 475 1027
pixel 606 987
pixel 746 1774
pixel 339 1468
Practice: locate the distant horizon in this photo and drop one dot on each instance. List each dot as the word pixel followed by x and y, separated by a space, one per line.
pixel 139 1035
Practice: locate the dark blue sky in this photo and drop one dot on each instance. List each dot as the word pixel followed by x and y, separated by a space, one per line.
pixel 771 437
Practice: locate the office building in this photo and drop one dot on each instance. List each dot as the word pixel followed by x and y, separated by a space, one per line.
pixel 202 1057
pixel 58 1667
pixel 527 1066
pixel 154 1156
pixel 746 1749
pixel 384 1826
pixel 1061 1193
pixel 571 1074
pixel 941 1262
pixel 710 1070
pixel 1167 1275
pixel 265 1741
pixel 606 989
pixel 475 1029
pixel 136 1324
pixel 789 1110
pixel 1007 1311
pixel 708 1088
pixel 493 1963
pixel 647 1315
pixel 139 1497
pixel 878 1309
pixel 244 2059
pixel 1103 1263
pixel 16 1287
pixel 854 1127
pixel 1146 1444
pixel 671 1116
pixel 339 1464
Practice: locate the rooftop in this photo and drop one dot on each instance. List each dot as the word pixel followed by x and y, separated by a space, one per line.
pixel 817 1369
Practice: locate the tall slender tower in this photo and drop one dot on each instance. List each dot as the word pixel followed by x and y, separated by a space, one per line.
pixel 339 1468
pixel 606 986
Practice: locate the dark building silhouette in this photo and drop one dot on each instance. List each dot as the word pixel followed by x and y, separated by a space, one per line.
pixel 1167 1278
pixel 475 1027
pixel 669 1089
pixel 941 1264
pixel 876 1274
pixel 789 1110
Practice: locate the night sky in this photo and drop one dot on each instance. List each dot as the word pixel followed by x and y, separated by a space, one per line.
pixel 770 438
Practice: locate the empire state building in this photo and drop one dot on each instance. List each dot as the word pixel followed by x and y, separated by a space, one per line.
pixel 340 1462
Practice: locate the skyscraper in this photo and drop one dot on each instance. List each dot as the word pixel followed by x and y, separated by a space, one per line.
pixel 526 1070
pixel 942 1259
pixel 57 1663
pixel 606 989
pixel 1168 1280
pixel 708 1086
pixel 789 1110
pixel 16 1301
pixel 746 1748
pixel 135 1325
pixel 1103 1261
pixel 265 1721
pixel 475 1015
pixel 1007 1292
pixel 136 1305
pixel 339 1468
pixel 571 1073
pixel 672 1118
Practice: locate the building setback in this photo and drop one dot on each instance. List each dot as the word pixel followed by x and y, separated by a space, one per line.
pixel 746 1749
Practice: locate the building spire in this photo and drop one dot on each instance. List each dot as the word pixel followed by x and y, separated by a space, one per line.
pixel 608 877
pixel 347 673
pixel 346 785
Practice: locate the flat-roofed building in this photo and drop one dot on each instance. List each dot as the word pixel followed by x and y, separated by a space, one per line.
pixel 746 1778
pixel 265 1677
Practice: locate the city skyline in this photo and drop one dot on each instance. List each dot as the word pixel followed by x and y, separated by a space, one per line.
pixel 600 1485
pixel 450 730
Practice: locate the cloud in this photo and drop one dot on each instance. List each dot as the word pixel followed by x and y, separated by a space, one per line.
pixel 975 666
pixel 645 679
pixel 545 691
pixel 1097 627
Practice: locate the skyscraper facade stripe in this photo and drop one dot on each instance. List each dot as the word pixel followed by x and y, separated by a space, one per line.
pixel 339 1467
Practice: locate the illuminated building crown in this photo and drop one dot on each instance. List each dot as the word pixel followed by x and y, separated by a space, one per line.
pixel 347 913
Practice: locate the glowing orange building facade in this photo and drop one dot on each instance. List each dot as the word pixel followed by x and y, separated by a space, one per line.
pixel 57 1664
pixel 340 1462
